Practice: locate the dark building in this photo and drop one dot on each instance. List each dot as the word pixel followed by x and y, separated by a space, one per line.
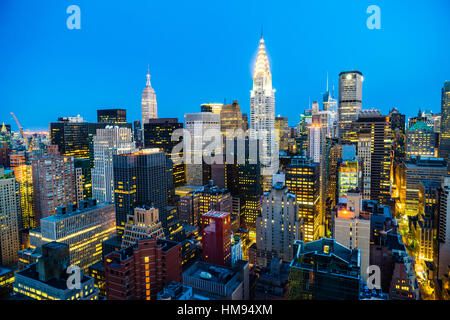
pixel 6 281
pixel 48 279
pixel 444 146
pixel 71 136
pixel 158 134
pixel 324 270
pixel 97 272
pixel 140 178
pixel 243 180
pixel 141 271
pixel 396 267
pixel 398 120
pixel 371 122
pixel 273 281
pixel 5 151
pixel 113 116
pixel 83 166
pixel 74 137
pixel 137 132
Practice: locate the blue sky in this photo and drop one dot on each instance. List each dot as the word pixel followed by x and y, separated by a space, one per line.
pixel 202 51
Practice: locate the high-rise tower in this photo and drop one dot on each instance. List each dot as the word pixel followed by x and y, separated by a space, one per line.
pixel 350 100
pixel 445 121
pixel 148 103
pixel 262 112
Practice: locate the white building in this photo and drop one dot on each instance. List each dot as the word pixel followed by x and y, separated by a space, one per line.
pixel 278 226
pixel 316 142
pixel 202 129
pixel 352 230
pixel 262 113
pixel 148 102
pixel 9 218
pixel 108 142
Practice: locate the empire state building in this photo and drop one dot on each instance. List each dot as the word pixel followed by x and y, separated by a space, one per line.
pixel 262 113
pixel 148 103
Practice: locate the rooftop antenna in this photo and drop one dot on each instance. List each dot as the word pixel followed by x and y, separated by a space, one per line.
pixel 262 30
pixel 327 81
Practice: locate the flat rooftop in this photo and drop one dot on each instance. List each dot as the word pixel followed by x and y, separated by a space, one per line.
pixel 210 272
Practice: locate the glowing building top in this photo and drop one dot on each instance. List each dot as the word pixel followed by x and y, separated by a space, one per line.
pixel 262 113
pixel 148 103
pixel 262 77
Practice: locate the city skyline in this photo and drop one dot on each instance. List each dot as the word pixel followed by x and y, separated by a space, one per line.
pixel 104 64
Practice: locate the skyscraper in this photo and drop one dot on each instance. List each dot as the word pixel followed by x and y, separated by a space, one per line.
pixel 216 237
pixel 364 154
pixel 54 184
pixel 350 100
pixel 47 279
pixel 158 134
pixel 349 172
pixel 144 223
pixel 443 233
pixel 243 179
pixel 112 116
pixel 282 127
pixel 82 228
pixel 149 265
pixel 278 225
pixel 9 218
pixel 324 270
pixel 199 126
pixel 303 180
pixel 20 163
pixel 317 151
pixel 262 114
pixel 231 121
pixel 352 229
pixel 444 146
pixel 140 178
pixel 70 134
pixel 379 127
pixel 148 102
pixel 420 140
pixel 108 142
pixel 411 173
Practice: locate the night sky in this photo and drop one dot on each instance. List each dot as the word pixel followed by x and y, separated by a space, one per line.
pixel 202 51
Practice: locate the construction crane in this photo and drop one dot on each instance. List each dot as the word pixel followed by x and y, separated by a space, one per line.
pixel 21 132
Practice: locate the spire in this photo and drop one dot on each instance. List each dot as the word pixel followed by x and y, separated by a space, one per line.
pixel 262 67
pixel 262 30
pixel 148 76
pixel 327 81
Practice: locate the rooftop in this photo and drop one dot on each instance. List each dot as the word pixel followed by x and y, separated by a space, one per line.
pixel 210 272
pixel 61 283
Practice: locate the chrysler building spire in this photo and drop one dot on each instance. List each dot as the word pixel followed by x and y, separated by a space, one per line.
pixel 262 113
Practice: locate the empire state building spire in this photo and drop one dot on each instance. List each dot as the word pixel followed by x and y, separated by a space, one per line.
pixel 148 102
